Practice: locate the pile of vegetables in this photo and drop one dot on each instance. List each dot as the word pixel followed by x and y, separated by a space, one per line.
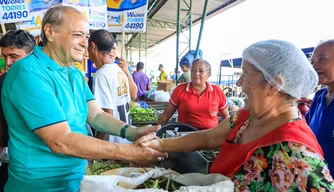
pixel 237 101
pixel 97 168
pixel 210 155
pixel 140 114
pixel 160 183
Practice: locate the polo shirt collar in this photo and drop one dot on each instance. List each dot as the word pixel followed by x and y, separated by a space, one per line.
pixel 51 64
pixel 191 89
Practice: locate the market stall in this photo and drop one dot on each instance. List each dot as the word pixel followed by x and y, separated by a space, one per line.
pixel 180 172
pixel 142 114
pixel 156 179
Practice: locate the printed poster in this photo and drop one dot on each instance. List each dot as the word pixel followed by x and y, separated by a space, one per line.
pixel 37 8
pixel 127 15
pixel 13 11
pixel 94 10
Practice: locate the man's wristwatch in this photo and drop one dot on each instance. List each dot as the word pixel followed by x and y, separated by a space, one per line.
pixel 123 130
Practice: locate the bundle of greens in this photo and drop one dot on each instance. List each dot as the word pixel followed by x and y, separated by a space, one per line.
pixel 98 167
pixel 210 154
pixel 140 114
pixel 160 183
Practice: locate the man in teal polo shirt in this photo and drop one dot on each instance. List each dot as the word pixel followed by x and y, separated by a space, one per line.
pixel 47 103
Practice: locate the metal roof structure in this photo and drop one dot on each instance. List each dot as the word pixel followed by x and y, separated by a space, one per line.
pixel 162 19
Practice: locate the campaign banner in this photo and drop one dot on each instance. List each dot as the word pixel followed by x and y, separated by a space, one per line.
pixel 13 11
pixel 127 15
pixel 94 10
pixel 37 9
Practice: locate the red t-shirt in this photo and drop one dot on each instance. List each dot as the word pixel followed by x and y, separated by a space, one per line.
pixel 199 111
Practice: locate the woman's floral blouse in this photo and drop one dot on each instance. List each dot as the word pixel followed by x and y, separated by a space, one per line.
pixel 286 166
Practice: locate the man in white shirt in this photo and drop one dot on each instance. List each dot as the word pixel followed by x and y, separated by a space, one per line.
pixel 111 86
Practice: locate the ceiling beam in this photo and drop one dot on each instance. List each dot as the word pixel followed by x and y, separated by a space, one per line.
pixel 221 8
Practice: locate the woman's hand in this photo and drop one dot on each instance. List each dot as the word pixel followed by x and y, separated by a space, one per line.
pixel 151 141
pixel 144 131
pixel 147 155
pixel 155 144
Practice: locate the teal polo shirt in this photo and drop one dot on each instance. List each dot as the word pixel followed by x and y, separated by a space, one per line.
pixel 37 92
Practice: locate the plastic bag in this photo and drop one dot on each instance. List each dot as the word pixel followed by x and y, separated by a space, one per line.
pixel 133 177
pixel 151 94
pixel 189 57
pixel 161 96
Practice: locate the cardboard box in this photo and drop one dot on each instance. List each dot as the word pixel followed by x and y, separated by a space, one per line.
pixel 165 85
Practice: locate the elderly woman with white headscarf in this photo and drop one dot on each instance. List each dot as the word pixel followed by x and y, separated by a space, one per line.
pixel 267 145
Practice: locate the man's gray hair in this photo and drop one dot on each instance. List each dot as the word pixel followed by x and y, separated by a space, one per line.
pixel 55 16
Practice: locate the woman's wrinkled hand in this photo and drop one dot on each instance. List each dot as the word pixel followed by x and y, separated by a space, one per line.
pixel 151 141
pixel 154 143
pixel 145 131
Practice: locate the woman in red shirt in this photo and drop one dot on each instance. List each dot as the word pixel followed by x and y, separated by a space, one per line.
pixel 267 145
pixel 198 102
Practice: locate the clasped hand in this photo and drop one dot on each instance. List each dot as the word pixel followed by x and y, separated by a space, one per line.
pixel 151 150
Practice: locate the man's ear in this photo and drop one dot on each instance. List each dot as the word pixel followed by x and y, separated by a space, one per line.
pixel 93 46
pixel 49 32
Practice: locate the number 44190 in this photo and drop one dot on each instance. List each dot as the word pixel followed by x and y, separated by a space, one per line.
pixel 15 15
pixel 134 25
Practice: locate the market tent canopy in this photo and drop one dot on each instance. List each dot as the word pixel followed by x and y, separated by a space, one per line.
pixel 236 63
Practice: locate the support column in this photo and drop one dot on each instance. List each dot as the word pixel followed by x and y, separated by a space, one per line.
pixel 178 26
pixel 146 50
pixel 186 24
pixel 139 51
pixel 205 11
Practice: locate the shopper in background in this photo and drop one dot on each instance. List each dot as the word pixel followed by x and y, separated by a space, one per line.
pixel 124 66
pixel 185 77
pixel 185 64
pixel 46 103
pixel 15 45
pixel 163 74
pixel 111 86
pixel 321 113
pixel 142 81
pixel 175 75
pixel 198 102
